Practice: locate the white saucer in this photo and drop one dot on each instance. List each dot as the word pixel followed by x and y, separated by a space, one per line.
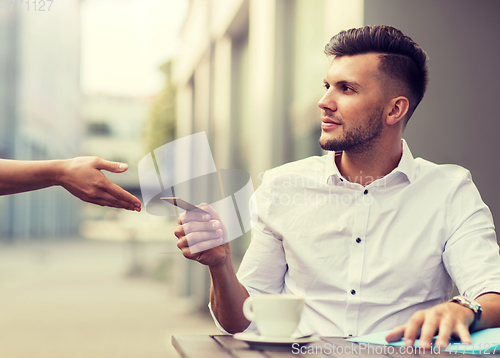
pixel 251 337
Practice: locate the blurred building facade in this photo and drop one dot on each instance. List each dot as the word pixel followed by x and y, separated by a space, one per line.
pixel 247 74
pixel 250 74
pixel 39 110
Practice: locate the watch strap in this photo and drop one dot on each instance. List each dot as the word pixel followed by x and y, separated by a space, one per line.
pixel 473 306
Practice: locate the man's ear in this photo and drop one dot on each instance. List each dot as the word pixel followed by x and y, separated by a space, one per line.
pixel 398 108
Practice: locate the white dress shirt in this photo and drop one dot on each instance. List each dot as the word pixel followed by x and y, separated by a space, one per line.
pixel 366 258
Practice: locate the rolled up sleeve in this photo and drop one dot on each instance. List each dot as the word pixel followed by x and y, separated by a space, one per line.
pixel 471 254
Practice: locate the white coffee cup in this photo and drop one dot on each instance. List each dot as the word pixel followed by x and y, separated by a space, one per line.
pixel 274 315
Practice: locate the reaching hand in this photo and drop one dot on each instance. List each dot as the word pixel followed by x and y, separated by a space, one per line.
pixel 83 178
pixel 203 237
pixel 443 319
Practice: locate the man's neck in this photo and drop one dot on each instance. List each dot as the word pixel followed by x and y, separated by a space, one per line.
pixel 369 165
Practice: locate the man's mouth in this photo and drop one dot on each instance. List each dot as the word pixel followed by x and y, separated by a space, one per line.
pixel 328 123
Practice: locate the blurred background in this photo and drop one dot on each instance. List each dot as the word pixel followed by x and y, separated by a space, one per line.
pixel 119 78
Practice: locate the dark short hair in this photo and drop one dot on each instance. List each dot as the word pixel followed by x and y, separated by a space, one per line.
pixel 401 57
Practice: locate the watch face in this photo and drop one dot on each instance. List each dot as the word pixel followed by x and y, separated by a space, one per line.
pixel 464 301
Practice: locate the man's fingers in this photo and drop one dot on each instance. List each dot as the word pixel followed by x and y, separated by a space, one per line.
pixel 182 243
pixel 447 328
pixel 445 331
pixel 396 334
pixel 196 226
pixel 179 232
pixel 205 245
pixel 429 329
pixel 192 251
pixel 188 255
pixel 189 216
pixel 198 241
pixel 195 238
pixel 412 329
pixel 184 247
pixel 463 333
pixel 214 214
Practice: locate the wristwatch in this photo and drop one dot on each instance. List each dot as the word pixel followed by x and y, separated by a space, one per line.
pixel 472 305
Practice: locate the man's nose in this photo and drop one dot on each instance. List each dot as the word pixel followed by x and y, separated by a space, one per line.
pixel 327 102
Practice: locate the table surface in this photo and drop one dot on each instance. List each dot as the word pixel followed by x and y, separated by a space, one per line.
pixel 224 346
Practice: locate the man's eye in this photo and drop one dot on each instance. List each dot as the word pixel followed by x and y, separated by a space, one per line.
pixel 327 86
pixel 347 89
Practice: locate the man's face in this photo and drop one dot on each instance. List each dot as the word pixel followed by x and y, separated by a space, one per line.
pixel 352 108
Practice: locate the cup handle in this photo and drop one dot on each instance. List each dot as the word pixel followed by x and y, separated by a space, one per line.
pixel 247 309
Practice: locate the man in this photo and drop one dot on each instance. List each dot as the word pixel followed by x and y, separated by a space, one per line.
pixel 81 176
pixel 367 234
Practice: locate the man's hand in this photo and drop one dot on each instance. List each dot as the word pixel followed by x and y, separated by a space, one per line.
pixel 203 237
pixel 83 178
pixel 443 319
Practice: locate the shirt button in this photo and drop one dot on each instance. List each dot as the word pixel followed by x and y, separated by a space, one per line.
pixel 350 335
pixel 366 191
pixel 341 179
pixel 353 292
pixel 358 240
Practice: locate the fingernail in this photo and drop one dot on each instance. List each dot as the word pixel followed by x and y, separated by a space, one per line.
pixel 408 342
pixel 215 225
pixel 121 166
pixel 137 204
pixel 206 217
pixel 423 344
pixel 219 232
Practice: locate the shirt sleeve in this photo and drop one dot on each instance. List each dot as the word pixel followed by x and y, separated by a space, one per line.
pixel 471 254
pixel 251 328
pixel 263 267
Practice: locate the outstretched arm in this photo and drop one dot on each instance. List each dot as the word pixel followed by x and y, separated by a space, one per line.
pixel 81 176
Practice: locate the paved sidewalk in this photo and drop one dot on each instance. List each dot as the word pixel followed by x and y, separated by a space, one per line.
pixel 72 299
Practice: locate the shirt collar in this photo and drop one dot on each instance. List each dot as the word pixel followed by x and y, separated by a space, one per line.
pixel 406 166
pixel 407 163
pixel 332 172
